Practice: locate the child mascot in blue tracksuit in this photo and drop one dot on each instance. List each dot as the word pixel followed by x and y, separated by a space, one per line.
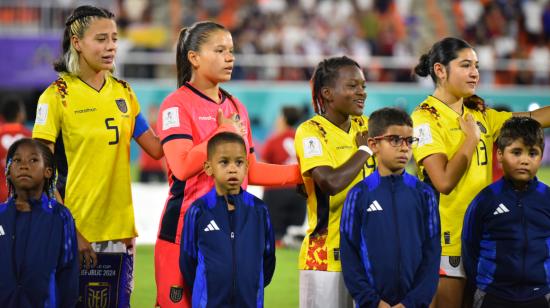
pixel 390 234
pixel 506 234
pixel 227 251
pixel 38 248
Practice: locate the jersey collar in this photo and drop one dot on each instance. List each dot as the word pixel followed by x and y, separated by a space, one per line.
pixel 199 93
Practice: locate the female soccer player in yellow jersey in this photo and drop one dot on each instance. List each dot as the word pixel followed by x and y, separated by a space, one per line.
pixel 96 115
pixel 333 154
pixel 455 147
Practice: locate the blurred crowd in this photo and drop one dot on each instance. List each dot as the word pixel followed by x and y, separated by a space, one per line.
pixel 368 30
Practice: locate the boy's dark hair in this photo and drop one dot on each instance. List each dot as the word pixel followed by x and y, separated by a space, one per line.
pixel 291 115
pixel 49 162
pixel 381 119
pixel 521 128
pixel 10 108
pixel 223 137
pixel 325 74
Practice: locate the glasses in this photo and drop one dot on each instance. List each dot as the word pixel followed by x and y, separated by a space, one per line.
pixel 397 141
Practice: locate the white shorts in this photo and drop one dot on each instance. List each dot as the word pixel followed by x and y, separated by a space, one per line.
pixel 451 266
pixel 320 289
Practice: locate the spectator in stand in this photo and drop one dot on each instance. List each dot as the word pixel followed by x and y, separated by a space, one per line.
pixel 12 111
pixel 285 205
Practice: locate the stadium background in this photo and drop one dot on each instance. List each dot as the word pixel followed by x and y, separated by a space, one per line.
pixel 278 42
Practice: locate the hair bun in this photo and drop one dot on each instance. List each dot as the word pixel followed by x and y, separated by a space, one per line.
pixel 422 69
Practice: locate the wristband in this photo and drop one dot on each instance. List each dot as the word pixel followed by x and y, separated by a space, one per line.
pixel 365 149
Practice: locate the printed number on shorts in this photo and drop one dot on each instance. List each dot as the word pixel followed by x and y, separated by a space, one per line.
pixel 113 127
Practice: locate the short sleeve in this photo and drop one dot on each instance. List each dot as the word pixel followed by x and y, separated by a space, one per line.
pixel 173 120
pixel 136 108
pixel 311 148
pixel 496 119
pixel 430 140
pixel 48 114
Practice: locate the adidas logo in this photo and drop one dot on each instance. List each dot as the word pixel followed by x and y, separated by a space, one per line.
pixel 374 206
pixel 2 231
pixel 501 209
pixel 212 226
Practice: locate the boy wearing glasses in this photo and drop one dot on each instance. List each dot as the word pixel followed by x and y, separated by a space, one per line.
pixel 390 231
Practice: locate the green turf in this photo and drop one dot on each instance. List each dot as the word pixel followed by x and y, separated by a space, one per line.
pixel 282 292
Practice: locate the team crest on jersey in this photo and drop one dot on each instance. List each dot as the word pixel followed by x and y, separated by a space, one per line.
pixel 482 128
pixel 176 293
pixel 121 104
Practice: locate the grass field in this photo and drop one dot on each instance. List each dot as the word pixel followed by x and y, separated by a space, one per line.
pixel 282 292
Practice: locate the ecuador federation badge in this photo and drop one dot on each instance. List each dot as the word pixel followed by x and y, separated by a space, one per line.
pixel 121 104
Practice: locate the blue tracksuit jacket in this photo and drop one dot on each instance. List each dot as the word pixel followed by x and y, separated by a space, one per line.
pixel 390 241
pixel 506 241
pixel 38 256
pixel 228 258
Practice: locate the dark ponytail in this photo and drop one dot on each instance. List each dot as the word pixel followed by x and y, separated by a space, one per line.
pixel 325 74
pixel 191 39
pixel 442 52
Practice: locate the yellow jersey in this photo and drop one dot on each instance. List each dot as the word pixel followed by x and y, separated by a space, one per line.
pixel 96 127
pixel 437 127
pixel 318 142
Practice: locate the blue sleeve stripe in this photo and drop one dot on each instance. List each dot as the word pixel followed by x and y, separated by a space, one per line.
pixel 432 212
pixel 52 296
pixel 467 226
pixel 189 228
pixel 366 261
pixel 347 212
pixel 547 263
pixel 69 234
pixel 141 126
pixel 200 286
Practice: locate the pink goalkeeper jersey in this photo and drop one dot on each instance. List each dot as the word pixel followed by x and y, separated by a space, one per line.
pixel 187 113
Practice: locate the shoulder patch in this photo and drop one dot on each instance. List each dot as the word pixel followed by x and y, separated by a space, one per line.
pixel 170 118
pixel 424 134
pixel 320 128
pixel 312 147
pixel 41 114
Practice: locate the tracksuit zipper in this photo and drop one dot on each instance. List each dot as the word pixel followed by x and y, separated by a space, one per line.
pixel 524 240
pixel 232 236
pixel 395 222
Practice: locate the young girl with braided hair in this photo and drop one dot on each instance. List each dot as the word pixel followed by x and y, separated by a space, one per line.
pixel 188 118
pixel 332 151
pixel 456 134
pixel 39 259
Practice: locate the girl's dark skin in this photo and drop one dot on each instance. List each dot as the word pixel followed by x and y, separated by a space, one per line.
pixel 343 100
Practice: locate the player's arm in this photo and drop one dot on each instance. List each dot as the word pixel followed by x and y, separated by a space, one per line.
pixel 446 173
pixel 146 138
pixel 187 159
pixel 265 174
pixel 471 236
pixel 333 180
pixel 269 251
pixel 427 275
pixel 358 283
pixel 542 115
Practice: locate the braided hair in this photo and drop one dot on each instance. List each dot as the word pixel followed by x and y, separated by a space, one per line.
pixel 49 162
pixel 325 75
pixel 76 24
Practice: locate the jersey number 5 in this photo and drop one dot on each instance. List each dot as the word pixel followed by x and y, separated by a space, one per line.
pixel 114 127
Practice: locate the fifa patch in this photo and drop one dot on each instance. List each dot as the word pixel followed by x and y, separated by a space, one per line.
pixel 424 134
pixel 176 293
pixel 170 118
pixel 481 128
pixel 121 104
pixel 41 114
pixel 312 147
